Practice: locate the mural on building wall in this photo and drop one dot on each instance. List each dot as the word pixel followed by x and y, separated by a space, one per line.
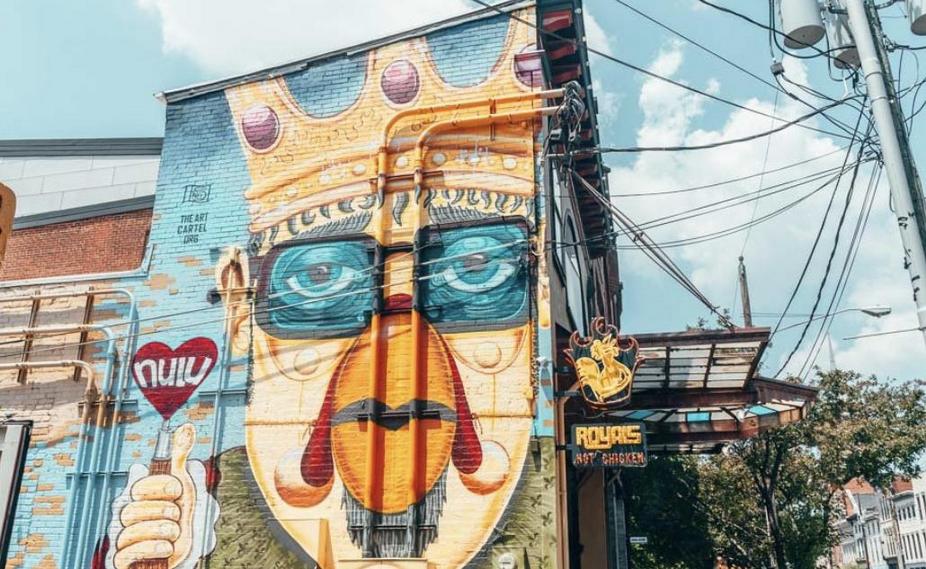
pixel 388 308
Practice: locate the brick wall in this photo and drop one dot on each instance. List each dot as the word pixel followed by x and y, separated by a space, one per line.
pixel 97 245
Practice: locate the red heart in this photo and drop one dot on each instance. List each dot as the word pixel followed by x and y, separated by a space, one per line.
pixel 168 377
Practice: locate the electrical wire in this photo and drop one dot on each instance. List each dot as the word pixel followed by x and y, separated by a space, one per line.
pixel 652 251
pixel 734 201
pixel 777 87
pixel 551 245
pixel 729 181
pixel 742 227
pixel 642 70
pixel 848 264
pixel 698 45
pixel 786 125
pixel 774 33
pixel 816 240
pixel 829 262
pixel 186 312
pixel 820 95
pixel 755 208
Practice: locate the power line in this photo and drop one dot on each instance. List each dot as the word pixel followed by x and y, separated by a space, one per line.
pixel 642 70
pixel 774 33
pixel 755 209
pixel 742 227
pixel 728 181
pixel 323 298
pixel 699 45
pixel 816 240
pixel 788 124
pixel 725 203
pixel 652 251
pixel 730 202
pixel 849 263
pixel 777 87
pixel 829 261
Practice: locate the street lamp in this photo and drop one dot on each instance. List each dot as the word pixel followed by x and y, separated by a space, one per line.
pixel 873 311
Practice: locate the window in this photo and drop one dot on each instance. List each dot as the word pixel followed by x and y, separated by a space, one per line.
pixel 14 437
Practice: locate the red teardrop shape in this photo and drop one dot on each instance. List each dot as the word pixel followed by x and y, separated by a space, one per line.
pixel 317 466
pixel 467 450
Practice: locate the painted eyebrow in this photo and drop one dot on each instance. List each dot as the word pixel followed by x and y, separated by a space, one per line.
pixel 345 226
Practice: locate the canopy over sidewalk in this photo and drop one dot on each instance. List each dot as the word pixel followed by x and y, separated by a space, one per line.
pixel 698 390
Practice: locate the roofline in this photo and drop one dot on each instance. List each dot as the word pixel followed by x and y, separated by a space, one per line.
pixel 83 212
pixel 179 94
pixel 42 147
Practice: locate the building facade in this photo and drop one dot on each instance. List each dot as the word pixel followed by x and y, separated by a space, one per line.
pixel 334 345
pixel 883 529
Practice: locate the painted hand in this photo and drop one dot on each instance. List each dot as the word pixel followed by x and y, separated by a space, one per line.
pixel 157 521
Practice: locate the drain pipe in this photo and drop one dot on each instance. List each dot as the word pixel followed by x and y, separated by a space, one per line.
pixel 230 316
pixel 70 294
pixel 106 396
pixel 107 380
pixel 56 363
pixel 120 396
pixel 91 394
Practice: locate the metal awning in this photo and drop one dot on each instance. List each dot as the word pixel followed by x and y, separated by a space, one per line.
pixel 697 390
pixel 699 359
pixel 703 422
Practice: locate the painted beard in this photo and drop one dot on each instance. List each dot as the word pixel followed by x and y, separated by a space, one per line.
pixel 393 506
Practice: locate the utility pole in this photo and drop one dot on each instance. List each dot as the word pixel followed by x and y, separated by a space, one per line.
pixel 901 172
pixel 744 292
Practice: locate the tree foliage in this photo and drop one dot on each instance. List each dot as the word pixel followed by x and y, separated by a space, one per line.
pixel 769 501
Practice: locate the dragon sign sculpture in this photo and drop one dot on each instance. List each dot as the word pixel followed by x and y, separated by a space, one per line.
pixel 605 364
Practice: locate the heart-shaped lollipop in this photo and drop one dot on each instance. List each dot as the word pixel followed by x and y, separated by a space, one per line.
pixel 167 378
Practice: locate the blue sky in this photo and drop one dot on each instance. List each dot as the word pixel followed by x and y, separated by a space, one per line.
pixel 91 69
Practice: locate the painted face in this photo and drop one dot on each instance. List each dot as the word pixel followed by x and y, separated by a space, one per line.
pixel 392 397
pixel 397 366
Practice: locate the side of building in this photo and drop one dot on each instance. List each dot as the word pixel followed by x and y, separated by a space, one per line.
pixel 334 344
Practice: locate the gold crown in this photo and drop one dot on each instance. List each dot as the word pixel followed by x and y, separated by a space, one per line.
pixel 406 118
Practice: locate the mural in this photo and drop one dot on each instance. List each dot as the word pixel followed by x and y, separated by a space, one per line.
pixel 385 305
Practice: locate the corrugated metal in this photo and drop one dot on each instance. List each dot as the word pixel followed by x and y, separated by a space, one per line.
pixel 28 148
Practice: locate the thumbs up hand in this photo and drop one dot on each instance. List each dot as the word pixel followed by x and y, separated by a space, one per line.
pixel 158 521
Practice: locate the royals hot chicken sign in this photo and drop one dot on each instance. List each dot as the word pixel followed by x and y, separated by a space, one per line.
pixel 609 445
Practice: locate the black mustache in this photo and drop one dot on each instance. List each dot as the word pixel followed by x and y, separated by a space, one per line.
pixel 392 418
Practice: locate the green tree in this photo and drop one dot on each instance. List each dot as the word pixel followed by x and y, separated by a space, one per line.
pixel 769 502
pixel 859 427
pixel 659 506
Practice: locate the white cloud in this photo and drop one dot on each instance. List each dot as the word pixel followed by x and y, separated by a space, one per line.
pixel 595 36
pixel 235 36
pixel 609 104
pixel 776 250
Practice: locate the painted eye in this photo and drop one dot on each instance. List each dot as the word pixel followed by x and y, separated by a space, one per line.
pixel 322 279
pixel 477 273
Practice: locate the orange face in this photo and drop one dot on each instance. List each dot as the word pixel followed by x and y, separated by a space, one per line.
pixel 402 374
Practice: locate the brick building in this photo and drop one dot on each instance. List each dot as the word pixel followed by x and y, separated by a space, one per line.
pixel 340 342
